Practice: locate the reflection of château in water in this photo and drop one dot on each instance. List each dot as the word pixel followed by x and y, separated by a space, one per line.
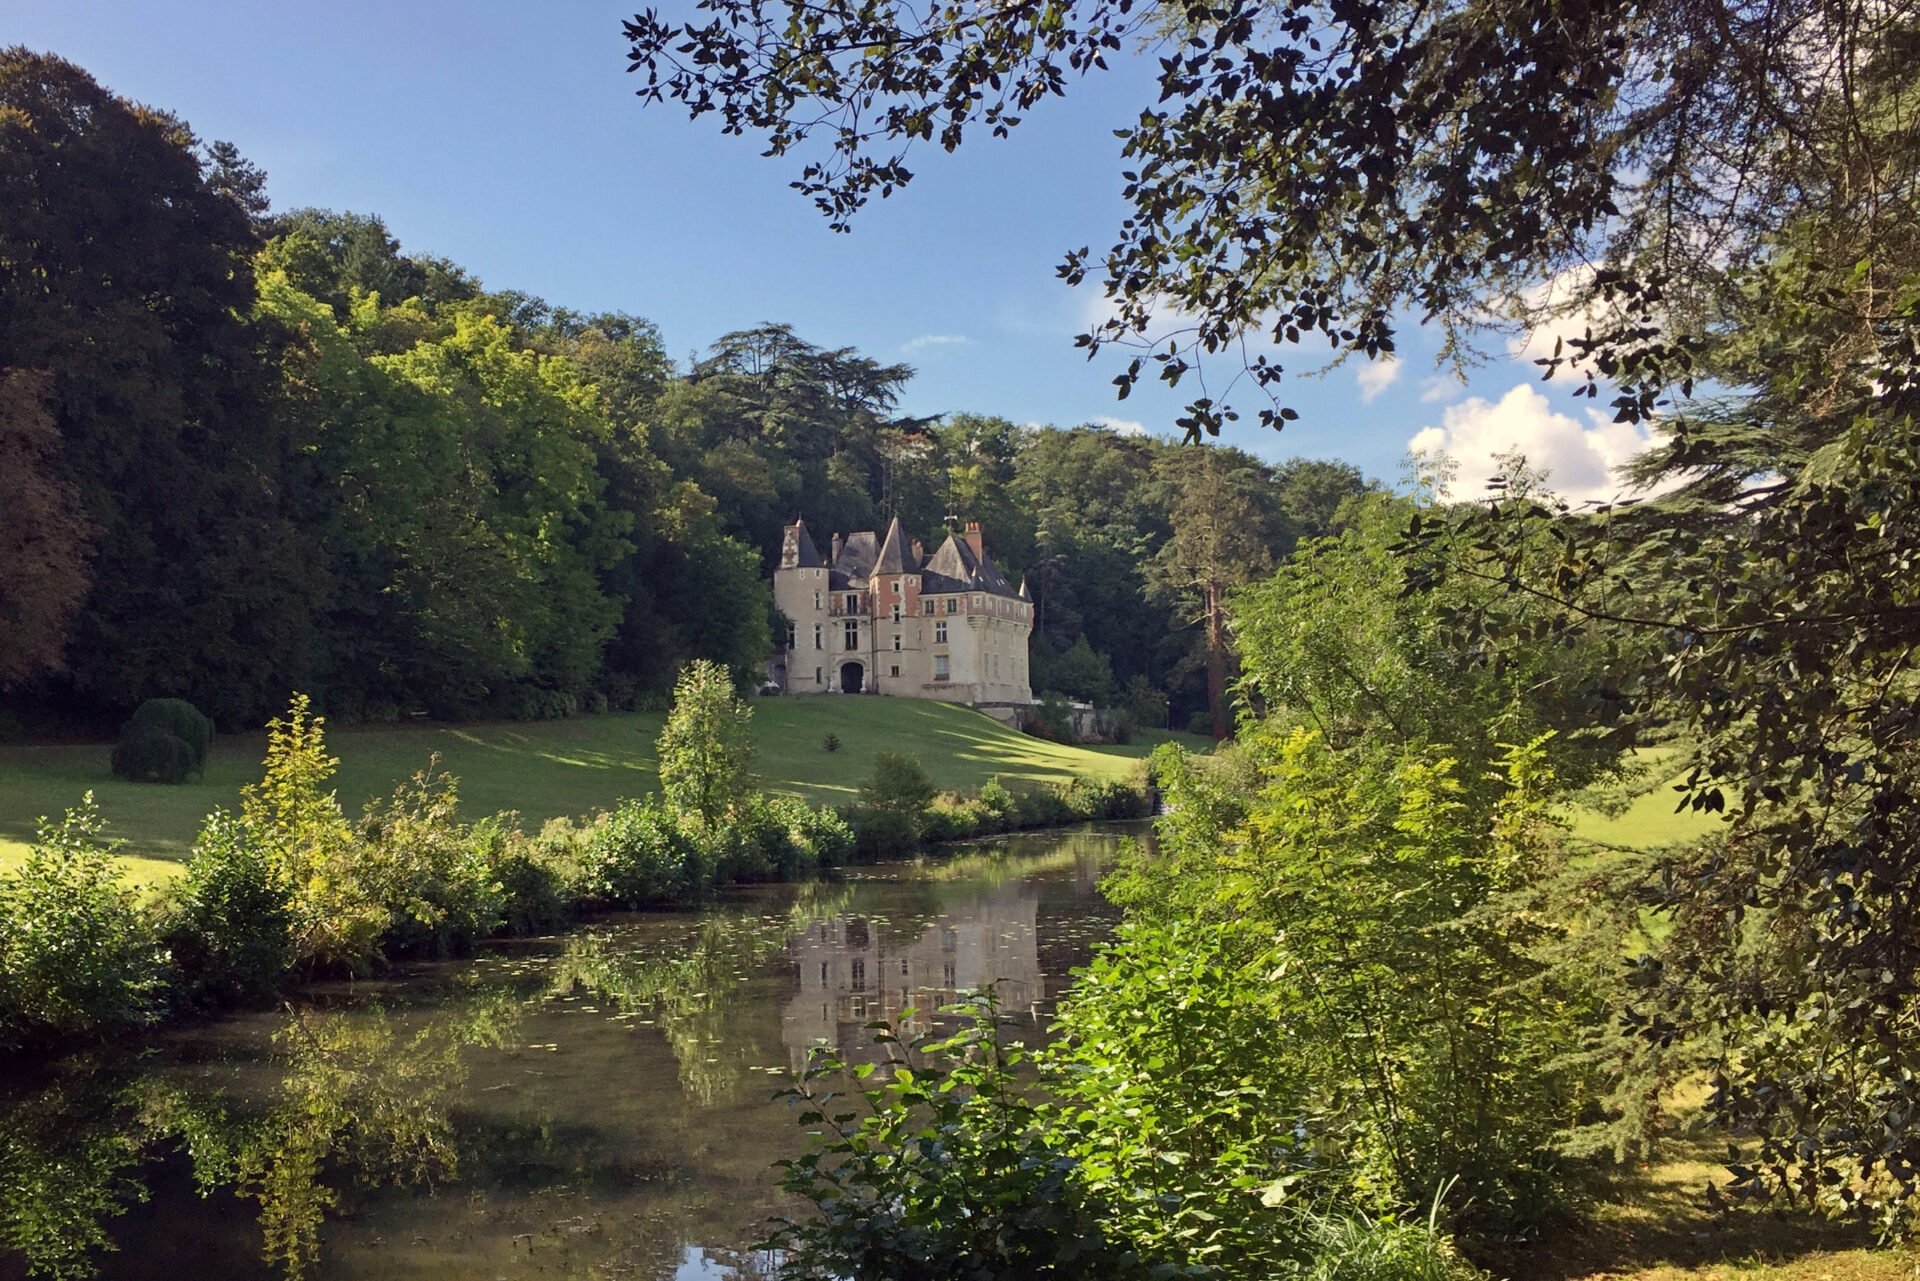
pixel 852 973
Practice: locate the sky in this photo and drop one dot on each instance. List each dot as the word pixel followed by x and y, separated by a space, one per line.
pixel 505 135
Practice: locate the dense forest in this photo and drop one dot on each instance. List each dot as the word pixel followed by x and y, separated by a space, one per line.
pixel 247 452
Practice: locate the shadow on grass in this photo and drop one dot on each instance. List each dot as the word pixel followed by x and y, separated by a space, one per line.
pixel 1653 1223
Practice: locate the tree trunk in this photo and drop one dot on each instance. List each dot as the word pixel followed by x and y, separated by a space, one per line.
pixel 1216 661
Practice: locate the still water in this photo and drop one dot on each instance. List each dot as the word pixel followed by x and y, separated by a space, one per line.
pixel 599 1105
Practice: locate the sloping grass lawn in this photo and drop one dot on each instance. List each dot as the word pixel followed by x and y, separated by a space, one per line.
pixel 1648 819
pixel 550 769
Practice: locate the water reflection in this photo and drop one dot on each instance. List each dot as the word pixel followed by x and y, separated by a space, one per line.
pixel 599 1105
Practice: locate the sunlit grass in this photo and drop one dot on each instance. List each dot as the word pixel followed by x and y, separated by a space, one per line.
pixel 548 769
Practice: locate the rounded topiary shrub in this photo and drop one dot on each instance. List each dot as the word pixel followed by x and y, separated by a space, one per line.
pixel 148 755
pixel 175 717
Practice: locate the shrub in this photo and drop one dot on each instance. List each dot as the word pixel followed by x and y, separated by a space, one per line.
pixel 230 927
pixel 1042 807
pixel 999 805
pixel 425 868
pixel 149 755
pixel 706 746
pixel 1104 799
pixel 1050 719
pixel 889 818
pixel 338 920
pixel 951 1172
pixel 641 856
pixel 537 889
pixel 792 838
pixel 75 955
pixel 831 743
pixel 178 717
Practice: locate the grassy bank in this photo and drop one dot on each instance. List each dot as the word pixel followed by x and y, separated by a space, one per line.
pixel 550 769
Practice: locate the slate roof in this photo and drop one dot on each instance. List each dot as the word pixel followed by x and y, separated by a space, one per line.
pixel 797 550
pixel 896 554
pixel 863 554
pixel 954 568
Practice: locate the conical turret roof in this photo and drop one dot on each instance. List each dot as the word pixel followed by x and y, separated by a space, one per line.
pixel 896 554
pixel 797 550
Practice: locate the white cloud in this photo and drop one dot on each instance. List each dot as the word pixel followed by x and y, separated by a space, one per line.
pixel 1439 388
pixel 1121 426
pixel 1578 457
pixel 1375 376
pixel 927 341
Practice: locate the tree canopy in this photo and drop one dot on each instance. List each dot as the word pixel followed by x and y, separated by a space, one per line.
pixel 1315 173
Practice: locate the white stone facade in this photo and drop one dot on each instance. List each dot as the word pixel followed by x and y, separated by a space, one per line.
pixel 875 617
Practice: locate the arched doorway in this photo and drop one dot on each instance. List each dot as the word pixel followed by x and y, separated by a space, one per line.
pixel 853 677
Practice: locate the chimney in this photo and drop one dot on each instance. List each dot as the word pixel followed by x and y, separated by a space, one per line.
pixel 835 558
pixel 919 551
pixel 974 540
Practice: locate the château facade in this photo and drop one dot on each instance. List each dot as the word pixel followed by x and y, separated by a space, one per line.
pixel 876 616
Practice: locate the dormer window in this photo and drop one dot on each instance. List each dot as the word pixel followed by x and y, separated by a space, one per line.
pixel 853 603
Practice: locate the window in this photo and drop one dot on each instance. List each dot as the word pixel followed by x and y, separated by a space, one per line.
pixel 817 677
pixel 853 635
pixel 940 667
pixel 819 637
pixel 896 587
pixel 940 632
pixel 953 604
pixel 926 604
pixel 859 975
pixel 976 602
pixel 816 600
pixel 896 642
pixel 853 604
pixel 894 670
pixel 896 611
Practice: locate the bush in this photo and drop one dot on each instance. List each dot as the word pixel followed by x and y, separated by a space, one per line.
pixel 149 755
pixel 951 1172
pixel 230 927
pixel 339 919
pixel 178 717
pixel 831 743
pixel 75 955
pixel 999 805
pixel 706 746
pixel 1043 807
pixel 426 869
pixel 642 856
pixel 1104 799
pixel 889 819
pixel 1050 719
pixel 791 838
pixel 537 892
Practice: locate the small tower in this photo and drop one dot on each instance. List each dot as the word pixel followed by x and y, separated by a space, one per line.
pixel 801 592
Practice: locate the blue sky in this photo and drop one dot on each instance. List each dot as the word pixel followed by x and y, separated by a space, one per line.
pixel 506 137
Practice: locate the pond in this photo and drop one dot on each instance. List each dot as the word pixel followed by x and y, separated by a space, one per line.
pixel 600 1104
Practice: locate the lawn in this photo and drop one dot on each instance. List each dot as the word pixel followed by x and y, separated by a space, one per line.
pixel 1647 817
pixel 547 769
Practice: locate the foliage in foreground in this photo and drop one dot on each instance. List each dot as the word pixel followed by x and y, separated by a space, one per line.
pixel 1337 994
pixel 952 1162
pixel 77 957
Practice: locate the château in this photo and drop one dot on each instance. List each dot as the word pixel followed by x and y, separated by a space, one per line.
pixel 877 616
